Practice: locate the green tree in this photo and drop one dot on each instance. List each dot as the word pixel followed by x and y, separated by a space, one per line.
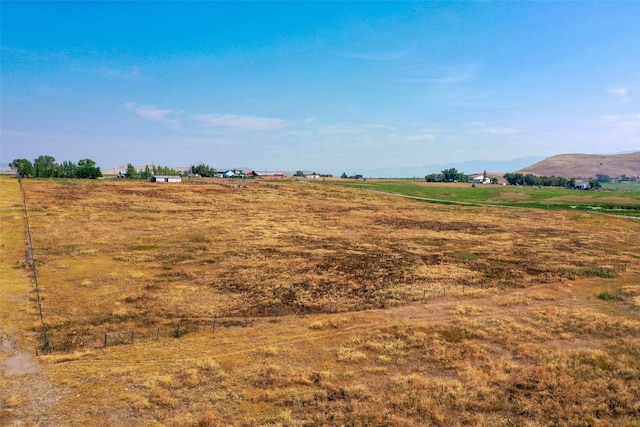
pixel 67 170
pixel 87 169
pixel 23 167
pixel 165 170
pixel 434 177
pixel 299 173
pixel 204 170
pixel 452 174
pixel 344 175
pixel 44 167
pixel 594 183
pixel 131 171
pixel 514 178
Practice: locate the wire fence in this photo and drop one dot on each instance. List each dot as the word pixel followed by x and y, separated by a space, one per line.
pixel 31 261
pixel 67 339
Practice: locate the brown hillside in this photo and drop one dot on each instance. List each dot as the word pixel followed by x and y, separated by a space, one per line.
pixel 587 165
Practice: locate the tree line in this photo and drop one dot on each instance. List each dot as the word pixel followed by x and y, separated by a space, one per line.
pixel 518 178
pixel 447 175
pixel 146 173
pixel 45 166
pixel 550 181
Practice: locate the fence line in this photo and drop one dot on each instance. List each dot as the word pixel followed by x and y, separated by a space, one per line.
pixel 32 262
pixel 423 292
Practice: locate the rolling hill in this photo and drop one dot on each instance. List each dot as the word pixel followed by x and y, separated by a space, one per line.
pixel 587 165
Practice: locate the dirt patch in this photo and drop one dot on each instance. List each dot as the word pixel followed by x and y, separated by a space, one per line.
pixel 6 344
pixel 19 363
pixel 513 196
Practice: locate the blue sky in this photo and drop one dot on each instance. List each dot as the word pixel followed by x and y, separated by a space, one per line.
pixel 318 85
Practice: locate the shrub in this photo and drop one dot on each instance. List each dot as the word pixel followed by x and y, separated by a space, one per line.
pixel 607 296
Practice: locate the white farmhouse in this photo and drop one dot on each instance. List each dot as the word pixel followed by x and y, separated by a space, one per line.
pixel 166 178
pixel 481 179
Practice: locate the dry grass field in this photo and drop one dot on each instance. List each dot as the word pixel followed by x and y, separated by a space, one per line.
pixel 266 303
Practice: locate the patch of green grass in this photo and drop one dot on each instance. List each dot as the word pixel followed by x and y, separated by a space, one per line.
pixel 627 186
pixel 607 273
pixel 515 196
pixel 607 296
pixel 145 248
pixel 468 256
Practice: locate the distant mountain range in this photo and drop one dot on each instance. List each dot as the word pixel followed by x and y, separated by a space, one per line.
pixel 587 165
pixel 468 167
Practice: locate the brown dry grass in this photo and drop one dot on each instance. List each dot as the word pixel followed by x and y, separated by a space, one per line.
pixel 525 341
pixel 587 165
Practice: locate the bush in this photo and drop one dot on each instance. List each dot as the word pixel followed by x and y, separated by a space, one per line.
pixel 607 296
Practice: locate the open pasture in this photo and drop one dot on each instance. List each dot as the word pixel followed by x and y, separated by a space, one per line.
pixel 620 199
pixel 316 304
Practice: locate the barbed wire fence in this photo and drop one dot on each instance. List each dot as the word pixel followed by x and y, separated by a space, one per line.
pixel 31 261
pixel 63 340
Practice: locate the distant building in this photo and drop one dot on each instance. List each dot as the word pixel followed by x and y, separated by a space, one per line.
pixel 582 186
pixel 481 179
pixel 166 178
pixel 234 173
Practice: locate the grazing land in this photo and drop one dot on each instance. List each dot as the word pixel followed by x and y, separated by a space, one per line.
pixel 621 199
pixel 257 303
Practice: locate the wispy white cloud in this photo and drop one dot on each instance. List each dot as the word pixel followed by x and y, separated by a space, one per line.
pixel 622 93
pixel 494 130
pixel 490 129
pixel 420 137
pixel 154 114
pixel 338 129
pixel 622 122
pixel 240 123
pixel 129 74
pixel 444 75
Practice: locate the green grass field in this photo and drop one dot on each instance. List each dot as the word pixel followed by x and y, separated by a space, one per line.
pixel 621 199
